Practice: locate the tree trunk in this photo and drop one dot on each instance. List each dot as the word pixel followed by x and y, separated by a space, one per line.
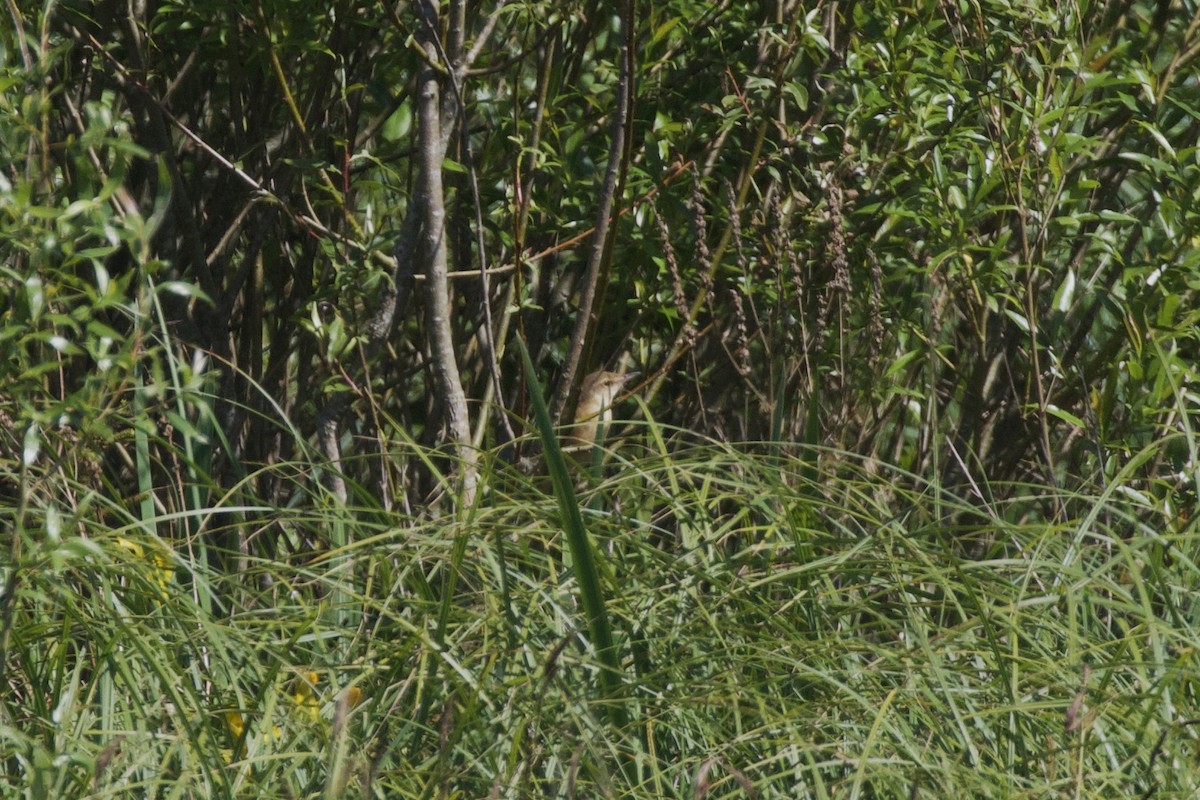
pixel 432 143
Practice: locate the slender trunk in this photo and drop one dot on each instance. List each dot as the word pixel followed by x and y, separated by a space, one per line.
pixel 432 145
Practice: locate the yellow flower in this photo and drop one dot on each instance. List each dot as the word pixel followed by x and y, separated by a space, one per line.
pixel 133 548
pixel 163 570
pixel 237 725
pixel 159 560
pixel 304 695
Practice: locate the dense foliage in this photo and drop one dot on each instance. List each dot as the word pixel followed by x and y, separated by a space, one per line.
pixel 904 506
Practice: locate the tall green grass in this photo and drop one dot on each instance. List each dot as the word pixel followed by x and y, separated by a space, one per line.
pixel 853 632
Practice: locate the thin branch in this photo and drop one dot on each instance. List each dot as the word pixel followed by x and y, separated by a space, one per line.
pixel 617 153
pixel 484 34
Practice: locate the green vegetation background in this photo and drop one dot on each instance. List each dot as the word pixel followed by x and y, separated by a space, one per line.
pixel 902 505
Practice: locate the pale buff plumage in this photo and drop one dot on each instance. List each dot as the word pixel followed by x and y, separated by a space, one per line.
pixel 597 394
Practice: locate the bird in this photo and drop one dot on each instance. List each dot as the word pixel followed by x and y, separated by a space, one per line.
pixel 596 396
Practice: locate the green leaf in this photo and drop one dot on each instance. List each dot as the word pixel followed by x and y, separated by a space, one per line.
pixel 583 555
